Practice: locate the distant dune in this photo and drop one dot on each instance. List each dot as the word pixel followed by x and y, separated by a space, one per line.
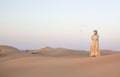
pixel 57 62
pixel 58 52
pixel 8 50
pixel 109 52
pixel 50 52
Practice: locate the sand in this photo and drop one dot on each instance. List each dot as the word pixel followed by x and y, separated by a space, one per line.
pixel 24 64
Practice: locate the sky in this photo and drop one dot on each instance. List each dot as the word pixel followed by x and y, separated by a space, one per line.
pixel 33 24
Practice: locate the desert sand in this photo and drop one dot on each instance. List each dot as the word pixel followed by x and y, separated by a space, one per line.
pixel 57 62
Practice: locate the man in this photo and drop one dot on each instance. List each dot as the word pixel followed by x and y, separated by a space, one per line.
pixel 94 50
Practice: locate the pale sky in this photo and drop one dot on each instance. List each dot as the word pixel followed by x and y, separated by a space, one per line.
pixel 33 24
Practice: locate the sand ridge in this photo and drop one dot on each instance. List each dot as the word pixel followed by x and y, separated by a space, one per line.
pixel 24 64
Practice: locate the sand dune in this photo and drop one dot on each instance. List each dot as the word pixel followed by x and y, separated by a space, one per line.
pixel 58 62
pixel 8 49
pixel 9 52
pixel 60 52
pixel 109 52
pixel 106 66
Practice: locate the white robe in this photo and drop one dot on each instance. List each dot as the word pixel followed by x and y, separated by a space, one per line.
pixel 94 50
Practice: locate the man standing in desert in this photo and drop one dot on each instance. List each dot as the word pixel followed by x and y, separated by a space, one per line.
pixel 94 50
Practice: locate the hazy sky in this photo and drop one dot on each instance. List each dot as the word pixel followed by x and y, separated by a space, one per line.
pixel 32 24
